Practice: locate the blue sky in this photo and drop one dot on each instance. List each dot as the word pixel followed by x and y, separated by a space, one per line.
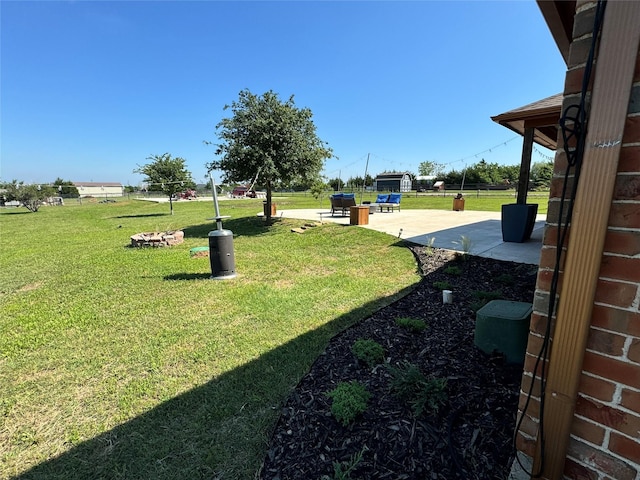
pixel 90 89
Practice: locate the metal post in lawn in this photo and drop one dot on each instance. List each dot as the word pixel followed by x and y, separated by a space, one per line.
pixel 221 255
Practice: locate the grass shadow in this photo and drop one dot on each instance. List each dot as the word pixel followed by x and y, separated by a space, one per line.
pixel 7 211
pixel 181 438
pixel 243 226
pixel 188 276
pixel 143 215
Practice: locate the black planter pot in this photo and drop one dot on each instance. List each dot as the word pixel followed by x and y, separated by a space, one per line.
pixel 518 221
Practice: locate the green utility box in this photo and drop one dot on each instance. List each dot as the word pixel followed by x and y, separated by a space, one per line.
pixel 503 325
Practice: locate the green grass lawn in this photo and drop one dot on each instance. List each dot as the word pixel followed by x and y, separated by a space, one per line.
pixel 131 363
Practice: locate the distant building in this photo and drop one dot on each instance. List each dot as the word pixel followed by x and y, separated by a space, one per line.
pixel 99 189
pixel 392 182
pixel 424 182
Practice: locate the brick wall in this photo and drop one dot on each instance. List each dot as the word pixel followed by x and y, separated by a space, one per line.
pixel 605 437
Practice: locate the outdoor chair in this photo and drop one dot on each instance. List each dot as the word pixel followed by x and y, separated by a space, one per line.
pixel 390 202
pixel 341 202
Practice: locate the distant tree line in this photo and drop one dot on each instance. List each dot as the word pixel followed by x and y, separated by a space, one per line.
pixel 32 196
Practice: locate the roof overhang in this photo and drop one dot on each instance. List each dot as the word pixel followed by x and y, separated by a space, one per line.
pixel 543 116
pixel 559 18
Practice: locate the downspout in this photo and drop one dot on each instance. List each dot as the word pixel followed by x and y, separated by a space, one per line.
pixel 609 105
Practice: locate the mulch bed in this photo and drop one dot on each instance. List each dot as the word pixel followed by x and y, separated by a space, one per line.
pixel 470 437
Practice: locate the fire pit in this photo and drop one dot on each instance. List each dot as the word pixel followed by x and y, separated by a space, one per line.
pixel 157 239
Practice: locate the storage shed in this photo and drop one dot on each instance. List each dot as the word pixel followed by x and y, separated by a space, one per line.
pixel 393 182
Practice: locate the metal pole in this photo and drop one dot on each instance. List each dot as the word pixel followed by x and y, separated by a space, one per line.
pixel 218 218
pixel 365 178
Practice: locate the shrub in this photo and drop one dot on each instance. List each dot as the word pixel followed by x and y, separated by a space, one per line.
pixel 368 351
pixel 342 470
pixel 414 324
pixel 442 285
pixel 505 279
pixel 349 400
pixel 422 393
pixel 482 298
pixel 487 296
pixel 453 270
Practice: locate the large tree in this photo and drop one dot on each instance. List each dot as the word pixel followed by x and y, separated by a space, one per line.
pixel 272 140
pixel 166 174
pixel 66 187
pixel 30 196
pixel 430 168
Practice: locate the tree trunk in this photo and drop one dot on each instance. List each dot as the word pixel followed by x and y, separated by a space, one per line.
pixel 267 217
pixel 171 203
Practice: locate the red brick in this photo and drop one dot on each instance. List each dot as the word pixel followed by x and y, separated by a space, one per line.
pixel 605 342
pixel 634 350
pixel 602 461
pixel 588 431
pixel 631 130
pixel 573 80
pixel 528 426
pixel 530 361
pixel 624 422
pixel 630 400
pixel 551 236
pixel 614 319
pixel 525 445
pixel 525 385
pixel 558 186
pixel 627 187
pixel 620 268
pixel 622 242
pixel 629 160
pixel 543 281
pixel 560 164
pixel 596 388
pixel 575 471
pixel 533 408
pixel 534 344
pixel 624 215
pixel 616 294
pixel 625 447
pixel 538 325
pixel 548 258
pixel 620 372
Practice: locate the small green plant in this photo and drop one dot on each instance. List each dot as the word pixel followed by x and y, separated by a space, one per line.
pixel 442 285
pixel 342 470
pixel 429 245
pixel 487 296
pixel 414 324
pixel 453 270
pixel 465 243
pixel 482 298
pixel 368 351
pixel 349 400
pixel 422 393
pixel 505 279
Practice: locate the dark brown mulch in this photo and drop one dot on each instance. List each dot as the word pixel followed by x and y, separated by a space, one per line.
pixel 469 438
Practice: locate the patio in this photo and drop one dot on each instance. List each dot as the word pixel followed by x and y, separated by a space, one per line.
pixel 446 228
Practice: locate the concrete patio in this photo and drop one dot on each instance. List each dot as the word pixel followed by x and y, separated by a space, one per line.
pixel 445 228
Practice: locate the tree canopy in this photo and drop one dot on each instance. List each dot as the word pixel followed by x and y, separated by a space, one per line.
pixel 66 187
pixel 169 175
pixel 430 168
pixel 271 140
pixel 30 196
